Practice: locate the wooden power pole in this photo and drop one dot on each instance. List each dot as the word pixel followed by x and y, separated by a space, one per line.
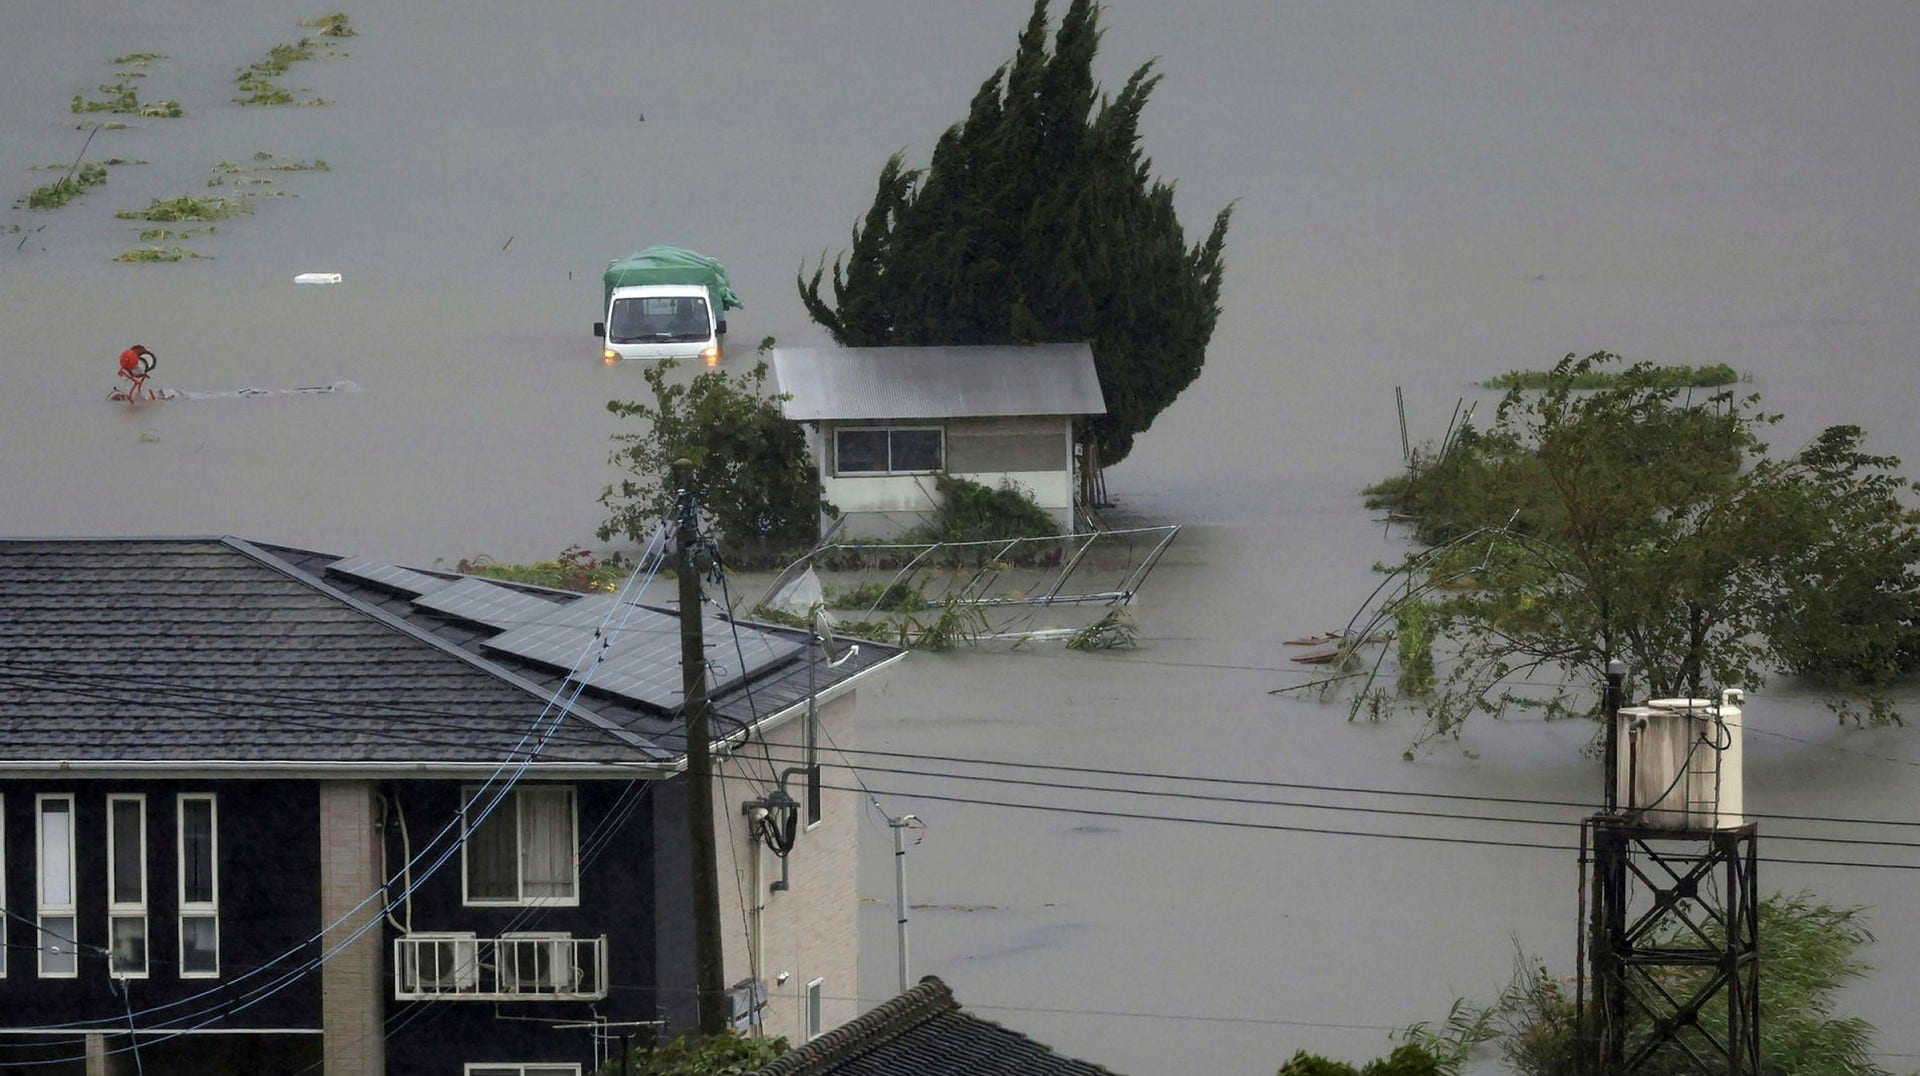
pixel 710 976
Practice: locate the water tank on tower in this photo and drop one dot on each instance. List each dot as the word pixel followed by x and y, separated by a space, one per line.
pixel 1679 763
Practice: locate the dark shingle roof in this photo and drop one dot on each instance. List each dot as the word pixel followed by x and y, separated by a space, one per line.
pixel 924 1032
pixel 217 650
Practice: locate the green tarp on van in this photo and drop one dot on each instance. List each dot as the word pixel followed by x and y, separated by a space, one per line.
pixel 672 265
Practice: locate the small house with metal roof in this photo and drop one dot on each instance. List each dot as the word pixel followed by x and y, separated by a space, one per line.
pixel 264 809
pixel 882 422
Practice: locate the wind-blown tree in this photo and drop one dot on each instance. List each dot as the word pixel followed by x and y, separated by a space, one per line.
pixel 1038 221
pixel 1631 522
pixel 756 484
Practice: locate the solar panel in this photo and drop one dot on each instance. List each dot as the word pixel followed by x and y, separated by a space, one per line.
pixel 640 660
pixel 405 580
pixel 489 603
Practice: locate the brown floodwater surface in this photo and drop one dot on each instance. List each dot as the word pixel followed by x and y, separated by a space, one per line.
pixel 1425 196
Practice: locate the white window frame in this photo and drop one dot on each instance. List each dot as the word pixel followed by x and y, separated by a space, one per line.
pixel 69 910
pixel 198 909
pixel 118 910
pixel 473 793
pixel 816 1008
pixel 889 431
pixel 521 1068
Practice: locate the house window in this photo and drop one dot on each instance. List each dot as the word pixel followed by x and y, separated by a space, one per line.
pixel 870 450
pixel 814 992
pixel 199 888
pixel 59 958
pixel 510 1069
pixel 523 852
pixel 127 886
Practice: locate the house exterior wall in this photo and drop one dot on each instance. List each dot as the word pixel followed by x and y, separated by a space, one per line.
pixel 1033 452
pixel 811 930
pixel 267 855
pixel 615 833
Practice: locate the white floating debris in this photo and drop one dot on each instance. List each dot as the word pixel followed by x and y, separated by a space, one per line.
pixel 317 278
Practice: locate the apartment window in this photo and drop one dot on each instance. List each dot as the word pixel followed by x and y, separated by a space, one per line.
pixel 511 1069
pixel 127 886
pixel 815 989
pixel 525 851
pixel 54 847
pixel 870 450
pixel 199 888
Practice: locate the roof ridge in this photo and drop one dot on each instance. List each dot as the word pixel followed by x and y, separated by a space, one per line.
pixel 884 1022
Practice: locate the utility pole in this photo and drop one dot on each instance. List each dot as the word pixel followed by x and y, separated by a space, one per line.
pixel 899 826
pixel 710 977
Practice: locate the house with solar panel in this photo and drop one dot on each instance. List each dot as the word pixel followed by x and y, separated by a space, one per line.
pixel 881 422
pixel 264 809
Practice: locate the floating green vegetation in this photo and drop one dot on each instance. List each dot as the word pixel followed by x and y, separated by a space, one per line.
pixel 101 125
pixel 187 207
pixel 66 188
pixel 574 569
pixel 334 25
pixel 157 254
pixel 267 161
pixel 1114 631
pixel 1667 377
pixel 161 235
pixel 138 59
pixel 62 166
pixel 250 175
pixel 123 99
pixel 257 83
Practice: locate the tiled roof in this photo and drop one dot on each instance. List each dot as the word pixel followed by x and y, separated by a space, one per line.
pixel 924 1032
pixel 215 650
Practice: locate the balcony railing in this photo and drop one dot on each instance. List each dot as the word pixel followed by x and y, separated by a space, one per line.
pixel 512 967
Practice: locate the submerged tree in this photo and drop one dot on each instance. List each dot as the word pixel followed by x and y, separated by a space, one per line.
pixel 1038 221
pixel 757 484
pixel 1631 522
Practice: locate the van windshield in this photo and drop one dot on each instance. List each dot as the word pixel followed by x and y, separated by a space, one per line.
pixel 651 319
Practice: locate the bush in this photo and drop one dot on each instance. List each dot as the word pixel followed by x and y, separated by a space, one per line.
pixel 971 512
pixel 1408 1060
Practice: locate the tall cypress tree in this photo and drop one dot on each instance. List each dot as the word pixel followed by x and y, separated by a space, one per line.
pixel 1038 220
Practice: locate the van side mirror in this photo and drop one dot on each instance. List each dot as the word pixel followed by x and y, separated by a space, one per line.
pixel 722 328
pixel 599 328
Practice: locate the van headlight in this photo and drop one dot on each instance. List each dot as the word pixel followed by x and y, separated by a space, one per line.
pixel 710 354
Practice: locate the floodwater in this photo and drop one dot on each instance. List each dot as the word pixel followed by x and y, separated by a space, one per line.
pixel 1425 195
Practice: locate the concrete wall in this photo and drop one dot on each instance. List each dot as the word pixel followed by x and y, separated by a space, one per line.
pixel 811 930
pixel 352 1002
